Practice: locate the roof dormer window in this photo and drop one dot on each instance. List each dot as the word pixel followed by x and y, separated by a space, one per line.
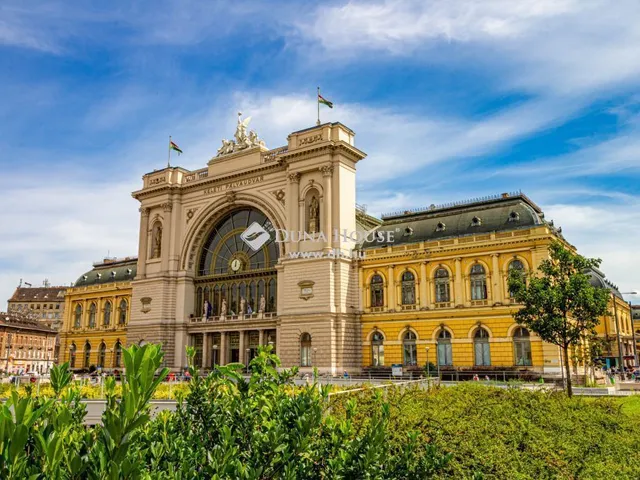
pixel 514 216
pixel 476 222
pixel 408 232
pixel 440 227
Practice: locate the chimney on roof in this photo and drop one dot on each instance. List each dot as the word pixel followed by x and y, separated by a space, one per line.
pixel 505 195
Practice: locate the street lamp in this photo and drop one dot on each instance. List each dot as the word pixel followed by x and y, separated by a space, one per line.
pixel 428 369
pixel 215 356
pixel 248 353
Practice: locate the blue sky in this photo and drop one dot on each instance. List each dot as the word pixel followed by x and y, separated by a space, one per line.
pixel 450 100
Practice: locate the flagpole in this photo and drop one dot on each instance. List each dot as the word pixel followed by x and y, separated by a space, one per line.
pixel 169 159
pixel 318 101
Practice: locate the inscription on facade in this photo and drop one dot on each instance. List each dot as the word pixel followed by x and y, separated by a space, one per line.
pixel 157 180
pixel 231 185
pixel 310 139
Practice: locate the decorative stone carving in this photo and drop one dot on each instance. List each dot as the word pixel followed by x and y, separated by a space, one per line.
pixel 156 246
pixel 190 213
pixel 314 215
pixel 327 170
pixel 306 289
pixel 279 194
pixel 294 177
pixel 144 211
pixel 167 207
pixel 146 302
pixel 262 305
pixel 223 308
pixel 243 304
pixel 243 138
pixel 230 196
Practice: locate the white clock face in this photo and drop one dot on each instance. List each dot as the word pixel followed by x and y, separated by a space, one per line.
pixel 236 264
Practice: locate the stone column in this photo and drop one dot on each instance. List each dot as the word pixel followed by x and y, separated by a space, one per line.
pixel 458 282
pixel 242 355
pixel 424 284
pixel 206 350
pixel 260 337
pixel 496 275
pixel 143 248
pixel 327 178
pixel 294 214
pixel 166 236
pixel 391 290
pixel 223 348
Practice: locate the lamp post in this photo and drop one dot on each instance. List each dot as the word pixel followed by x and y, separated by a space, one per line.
pixel 428 369
pixel 215 356
pixel 248 351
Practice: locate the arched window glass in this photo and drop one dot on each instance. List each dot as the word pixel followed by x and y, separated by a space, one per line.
pixel 199 303
pixel 518 266
pixel 441 280
pixel 217 300
pixel 77 322
pixel 72 355
pixel 233 307
pixel 122 314
pixel 252 297
pixel 117 354
pixel 92 315
pixel 408 288
pixel 271 303
pixel 478 283
pixel 377 349
pixel 377 291
pixel 87 355
pixel 107 314
pixel 102 355
pixel 522 347
pixel 444 348
pixel 305 350
pixel 409 348
pixel 481 348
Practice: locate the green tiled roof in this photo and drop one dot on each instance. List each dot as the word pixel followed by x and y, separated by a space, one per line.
pixel 120 270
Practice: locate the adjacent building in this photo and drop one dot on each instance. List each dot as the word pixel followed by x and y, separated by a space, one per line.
pixel 26 345
pixel 45 303
pixel 97 311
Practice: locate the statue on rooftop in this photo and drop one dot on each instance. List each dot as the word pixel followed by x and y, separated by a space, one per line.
pixel 243 138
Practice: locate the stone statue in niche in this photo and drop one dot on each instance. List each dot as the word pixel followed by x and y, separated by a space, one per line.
pixel 263 303
pixel 242 305
pixel 314 214
pixel 206 309
pixel 156 244
pixel 223 308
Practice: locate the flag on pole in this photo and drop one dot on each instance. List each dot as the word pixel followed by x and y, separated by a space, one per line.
pixel 173 146
pixel 324 101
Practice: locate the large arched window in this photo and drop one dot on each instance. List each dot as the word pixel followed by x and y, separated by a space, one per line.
pixel 377 291
pixel 305 350
pixel 481 349
pixel 77 322
pixel 72 355
pixel 377 349
pixel 409 348
pixel 92 315
pixel 117 354
pixel 102 355
pixel 444 348
pixel 478 280
pixel 408 288
pixel 107 314
pixel 122 313
pixel 236 266
pixel 522 347
pixel 87 355
pixel 441 280
pixel 516 265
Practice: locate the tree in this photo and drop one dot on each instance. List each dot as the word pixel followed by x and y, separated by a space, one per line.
pixel 560 304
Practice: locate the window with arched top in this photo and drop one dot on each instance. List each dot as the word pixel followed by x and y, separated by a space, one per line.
pixel 478 279
pixel 445 357
pixel 481 347
pixel 72 355
pixel 102 355
pixel 409 348
pixel 107 314
pixel 408 288
pixel 77 321
pixel 515 265
pixel 117 354
pixel 441 281
pixel 92 315
pixel 522 347
pixel 87 355
pixel 377 291
pixel 377 349
pixel 122 313
pixel 305 350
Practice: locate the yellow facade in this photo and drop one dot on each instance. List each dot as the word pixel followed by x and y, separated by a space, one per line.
pixel 461 316
pixel 94 329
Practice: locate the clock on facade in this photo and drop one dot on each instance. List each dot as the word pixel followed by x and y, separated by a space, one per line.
pixel 235 265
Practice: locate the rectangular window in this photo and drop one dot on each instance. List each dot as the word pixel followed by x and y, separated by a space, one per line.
pixel 482 354
pixel 444 354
